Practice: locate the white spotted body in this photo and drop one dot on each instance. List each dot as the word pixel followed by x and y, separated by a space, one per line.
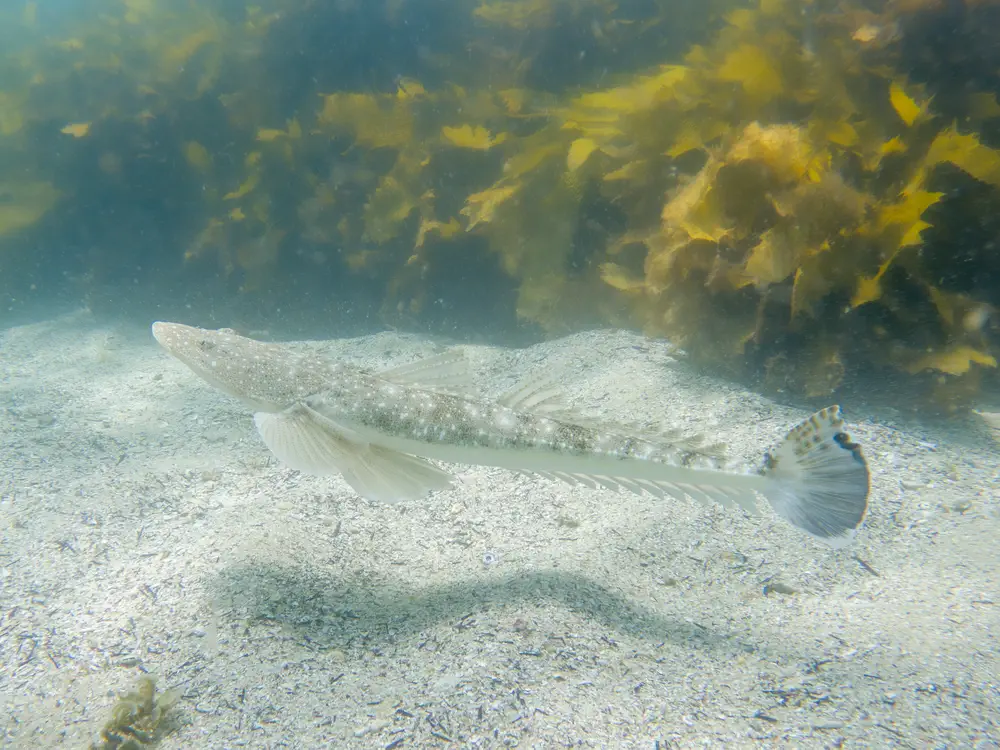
pixel 428 417
pixel 377 430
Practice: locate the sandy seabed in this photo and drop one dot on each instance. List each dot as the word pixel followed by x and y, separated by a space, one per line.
pixel 146 529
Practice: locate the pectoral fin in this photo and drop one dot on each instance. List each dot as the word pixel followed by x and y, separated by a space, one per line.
pixel 389 476
pixel 309 442
pixel 302 440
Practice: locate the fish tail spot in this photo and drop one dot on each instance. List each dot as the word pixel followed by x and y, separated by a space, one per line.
pixel 820 478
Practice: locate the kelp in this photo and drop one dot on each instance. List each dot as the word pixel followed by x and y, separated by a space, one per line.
pixel 783 224
pixel 24 203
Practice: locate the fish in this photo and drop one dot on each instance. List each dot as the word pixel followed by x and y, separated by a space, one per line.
pixel 384 431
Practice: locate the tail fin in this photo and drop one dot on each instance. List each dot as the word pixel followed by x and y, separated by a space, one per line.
pixel 820 479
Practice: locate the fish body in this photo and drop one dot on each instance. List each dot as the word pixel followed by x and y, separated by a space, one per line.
pixel 378 429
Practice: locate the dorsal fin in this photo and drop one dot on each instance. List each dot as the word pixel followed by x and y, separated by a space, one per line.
pixel 538 395
pixel 544 395
pixel 443 373
pixel 697 443
pixel 677 437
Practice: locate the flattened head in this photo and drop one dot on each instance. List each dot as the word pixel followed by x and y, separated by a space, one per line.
pixel 253 371
pixel 206 352
pixel 269 377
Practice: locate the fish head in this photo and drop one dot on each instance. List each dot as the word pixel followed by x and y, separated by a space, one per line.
pixel 270 377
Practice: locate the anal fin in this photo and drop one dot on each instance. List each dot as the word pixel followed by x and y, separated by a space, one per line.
pixel 703 493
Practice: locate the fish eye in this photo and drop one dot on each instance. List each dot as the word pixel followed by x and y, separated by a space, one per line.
pixel 205 345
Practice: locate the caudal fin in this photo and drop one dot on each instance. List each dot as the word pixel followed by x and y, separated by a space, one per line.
pixel 820 479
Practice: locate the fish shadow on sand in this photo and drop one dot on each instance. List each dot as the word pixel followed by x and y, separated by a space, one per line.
pixel 338 609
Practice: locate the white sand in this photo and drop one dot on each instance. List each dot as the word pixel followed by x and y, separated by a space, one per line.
pixel 146 528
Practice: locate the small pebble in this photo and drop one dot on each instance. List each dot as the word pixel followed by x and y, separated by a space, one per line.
pixel 376 726
pixel 198 632
pixel 829 725
pixel 777 587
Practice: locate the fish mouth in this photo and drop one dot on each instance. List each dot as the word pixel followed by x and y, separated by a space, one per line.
pixel 169 336
pixel 161 332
